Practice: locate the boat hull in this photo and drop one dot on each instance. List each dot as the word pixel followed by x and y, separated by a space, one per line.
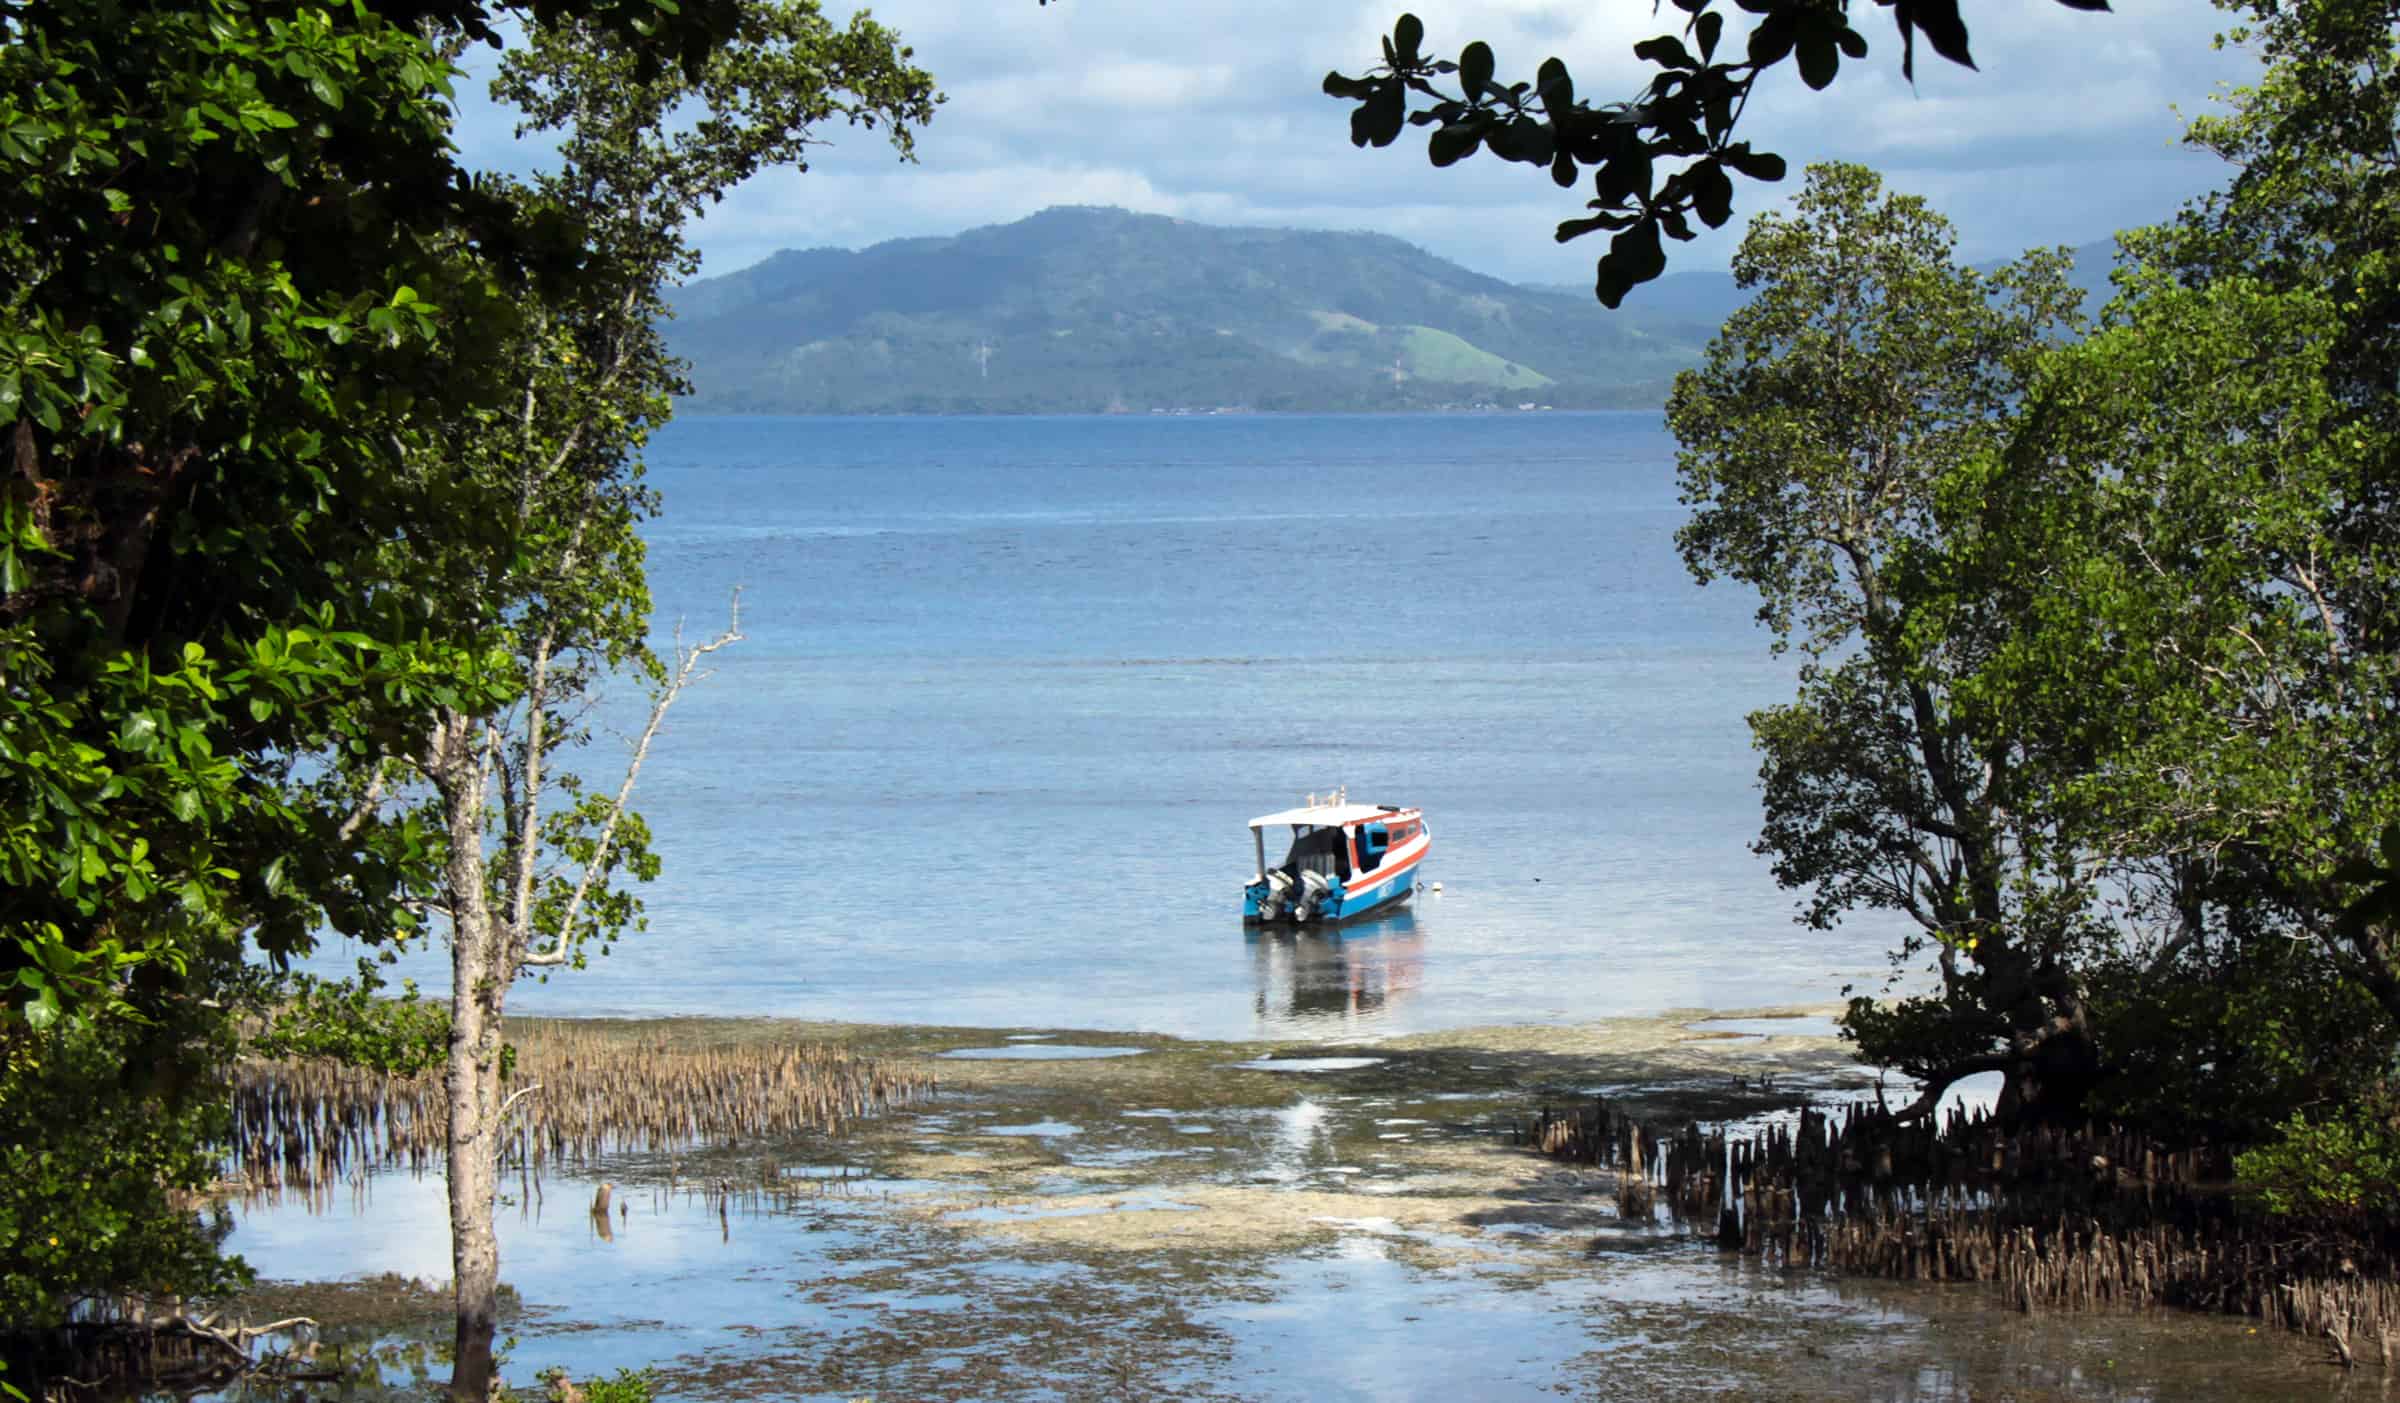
pixel 1351 906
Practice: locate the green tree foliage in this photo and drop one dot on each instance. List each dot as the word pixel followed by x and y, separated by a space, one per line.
pixel 2190 476
pixel 2314 203
pixel 244 256
pixel 2314 209
pixel 1664 157
pixel 353 1023
pixel 2343 1164
pixel 102 1140
pixel 2210 480
pixel 2099 657
pixel 214 328
pixel 554 591
pixel 1819 440
pixel 244 288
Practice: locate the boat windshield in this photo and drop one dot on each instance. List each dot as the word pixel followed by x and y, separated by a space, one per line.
pixel 1321 850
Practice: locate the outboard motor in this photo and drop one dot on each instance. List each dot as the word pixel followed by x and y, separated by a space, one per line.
pixel 1313 890
pixel 1279 891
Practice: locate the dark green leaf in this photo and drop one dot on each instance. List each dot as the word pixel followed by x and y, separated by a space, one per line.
pixel 1577 228
pixel 1379 119
pixel 1454 143
pixel 1626 178
pixel 1758 165
pixel 1939 21
pixel 1666 51
pixel 1475 69
pixel 1772 39
pixel 1634 257
pixel 138 732
pixel 1557 87
pixel 1523 139
pixel 1712 193
pixel 1819 59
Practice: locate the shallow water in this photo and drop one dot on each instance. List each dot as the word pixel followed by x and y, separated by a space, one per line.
pixel 1013 687
pixel 1031 1051
pixel 1179 1226
pixel 930 1289
pixel 1308 1064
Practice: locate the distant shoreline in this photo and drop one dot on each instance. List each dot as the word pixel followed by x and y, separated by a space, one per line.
pixel 698 412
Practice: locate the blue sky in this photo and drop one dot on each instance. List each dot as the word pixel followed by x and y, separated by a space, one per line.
pixel 1209 110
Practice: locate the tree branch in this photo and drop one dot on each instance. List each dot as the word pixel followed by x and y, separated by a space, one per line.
pixel 528 815
pixel 1945 1078
pixel 365 808
pixel 595 870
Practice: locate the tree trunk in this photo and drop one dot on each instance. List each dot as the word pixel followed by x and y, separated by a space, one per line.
pixel 2050 1080
pixel 478 985
pixel 2054 1062
pixel 474 1177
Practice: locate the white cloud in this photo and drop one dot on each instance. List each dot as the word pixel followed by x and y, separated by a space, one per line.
pixel 1209 109
pixel 1136 84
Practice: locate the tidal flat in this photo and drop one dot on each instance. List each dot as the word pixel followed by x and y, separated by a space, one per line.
pixel 1216 1220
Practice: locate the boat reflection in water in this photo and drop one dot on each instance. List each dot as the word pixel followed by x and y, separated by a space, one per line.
pixel 1318 983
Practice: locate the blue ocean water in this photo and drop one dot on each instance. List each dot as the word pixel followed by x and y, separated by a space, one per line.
pixel 1012 687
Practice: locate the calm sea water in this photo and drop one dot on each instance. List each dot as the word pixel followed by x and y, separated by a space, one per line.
pixel 1013 686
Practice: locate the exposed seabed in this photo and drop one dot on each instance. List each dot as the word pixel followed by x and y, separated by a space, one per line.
pixel 1194 1220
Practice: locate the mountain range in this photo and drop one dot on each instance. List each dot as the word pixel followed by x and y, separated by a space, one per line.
pixel 1080 310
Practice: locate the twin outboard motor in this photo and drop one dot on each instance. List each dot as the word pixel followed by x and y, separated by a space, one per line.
pixel 1290 897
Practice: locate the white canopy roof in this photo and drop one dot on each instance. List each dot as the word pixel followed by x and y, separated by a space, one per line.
pixel 1323 815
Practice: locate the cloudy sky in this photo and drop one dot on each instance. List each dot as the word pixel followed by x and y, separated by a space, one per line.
pixel 1210 110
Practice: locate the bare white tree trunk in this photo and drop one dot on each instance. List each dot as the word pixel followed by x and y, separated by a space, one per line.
pixel 487 949
pixel 477 990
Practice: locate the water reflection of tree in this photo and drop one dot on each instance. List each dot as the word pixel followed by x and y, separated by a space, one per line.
pixel 1349 979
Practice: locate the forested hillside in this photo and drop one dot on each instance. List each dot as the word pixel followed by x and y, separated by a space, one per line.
pixel 1078 309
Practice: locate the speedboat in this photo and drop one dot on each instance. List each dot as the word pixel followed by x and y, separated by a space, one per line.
pixel 1345 860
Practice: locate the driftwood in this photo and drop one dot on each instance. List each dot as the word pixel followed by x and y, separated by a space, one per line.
pixel 127 1341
